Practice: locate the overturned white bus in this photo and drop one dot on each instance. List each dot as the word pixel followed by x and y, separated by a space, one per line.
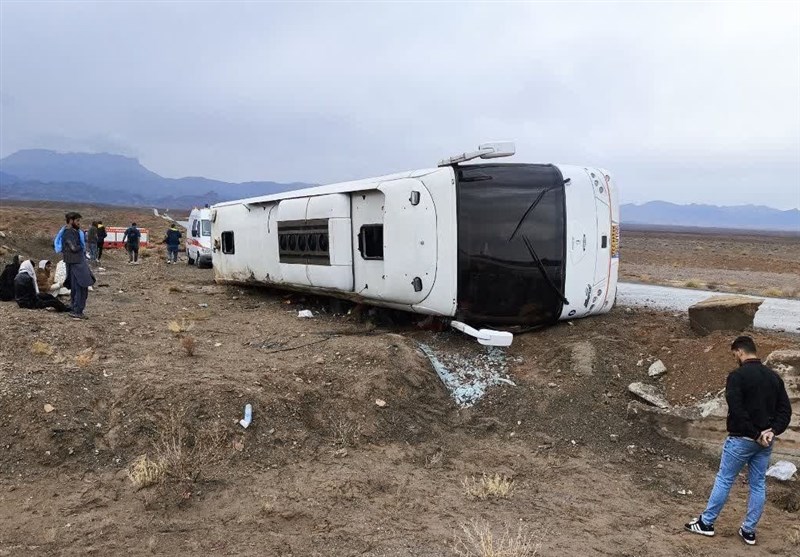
pixel 491 243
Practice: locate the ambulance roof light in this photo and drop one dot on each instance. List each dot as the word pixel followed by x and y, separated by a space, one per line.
pixel 486 151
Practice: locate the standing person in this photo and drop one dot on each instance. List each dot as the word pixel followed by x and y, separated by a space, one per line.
pixel 173 241
pixel 27 294
pixel 7 279
pixel 91 242
pixel 101 239
pixel 79 274
pixel 131 239
pixel 758 410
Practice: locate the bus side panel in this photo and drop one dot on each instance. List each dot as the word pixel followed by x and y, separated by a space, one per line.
pixel 442 298
pixel 255 256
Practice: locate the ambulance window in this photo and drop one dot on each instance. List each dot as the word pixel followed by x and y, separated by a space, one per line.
pixel 370 241
pixel 195 228
pixel 205 227
pixel 227 242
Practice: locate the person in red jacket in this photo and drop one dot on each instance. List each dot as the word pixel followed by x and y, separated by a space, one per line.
pixel 758 410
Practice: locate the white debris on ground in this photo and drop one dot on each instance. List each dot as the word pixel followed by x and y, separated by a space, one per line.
pixel 782 470
pixel 305 314
pixel 469 377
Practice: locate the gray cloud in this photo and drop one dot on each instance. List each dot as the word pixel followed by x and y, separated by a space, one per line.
pixel 684 102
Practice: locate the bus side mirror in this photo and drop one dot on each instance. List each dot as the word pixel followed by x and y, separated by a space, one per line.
pixel 497 150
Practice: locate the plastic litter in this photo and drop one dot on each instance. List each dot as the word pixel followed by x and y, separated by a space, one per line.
pixel 248 416
pixel 782 470
pixel 305 313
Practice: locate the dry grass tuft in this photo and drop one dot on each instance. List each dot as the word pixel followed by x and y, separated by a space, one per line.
pixel 85 357
pixel 188 344
pixel 345 432
pixel 41 348
pixel 478 540
pixel 435 460
pixel 774 293
pixel 488 487
pixel 692 283
pixel 181 326
pixel 144 472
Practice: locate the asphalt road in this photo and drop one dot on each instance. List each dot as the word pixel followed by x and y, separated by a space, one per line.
pixel 778 314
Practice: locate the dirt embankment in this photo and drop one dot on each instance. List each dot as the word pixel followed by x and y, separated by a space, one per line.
pixel 355 448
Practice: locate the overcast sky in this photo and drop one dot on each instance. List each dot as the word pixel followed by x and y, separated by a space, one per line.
pixel 685 102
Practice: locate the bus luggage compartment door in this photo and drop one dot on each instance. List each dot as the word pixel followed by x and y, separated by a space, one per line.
pixel 314 242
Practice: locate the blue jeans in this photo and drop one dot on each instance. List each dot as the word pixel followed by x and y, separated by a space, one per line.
pixel 737 452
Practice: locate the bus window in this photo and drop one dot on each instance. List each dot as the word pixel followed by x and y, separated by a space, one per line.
pixel 206 227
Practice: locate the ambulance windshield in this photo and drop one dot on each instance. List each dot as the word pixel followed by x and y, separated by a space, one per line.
pixel 205 227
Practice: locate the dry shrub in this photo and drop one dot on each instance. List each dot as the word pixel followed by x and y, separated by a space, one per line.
pixel 345 432
pixel 793 537
pixel 478 540
pixel 174 288
pixel 692 283
pixel 180 459
pixel 144 253
pixel 41 348
pixel 181 326
pixel 188 344
pixel 85 357
pixel 488 487
pixel 773 293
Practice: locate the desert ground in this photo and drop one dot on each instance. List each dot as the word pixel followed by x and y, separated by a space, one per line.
pixel 756 263
pixel 119 435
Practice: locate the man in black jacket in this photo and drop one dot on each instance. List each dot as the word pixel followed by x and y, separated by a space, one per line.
pixel 758 410
pixel 79 275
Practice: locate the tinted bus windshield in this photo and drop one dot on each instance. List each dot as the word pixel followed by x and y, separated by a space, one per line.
pixel 205 228
pixel 511 243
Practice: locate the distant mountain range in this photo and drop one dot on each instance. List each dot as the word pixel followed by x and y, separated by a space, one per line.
pixel 39 174
pixel 114 180
pixel 749 217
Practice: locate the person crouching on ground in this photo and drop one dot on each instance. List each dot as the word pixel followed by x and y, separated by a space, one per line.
pixel 26 290
pixel 7 279
pixel 43 276
pixel 79 274
pixel 758 410
pixel 131 238
pixel 173 241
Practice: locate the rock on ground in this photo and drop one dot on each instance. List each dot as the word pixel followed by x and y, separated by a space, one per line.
pixel 649 393
pixel 723 313
pixel 785 359
pixel 657 368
